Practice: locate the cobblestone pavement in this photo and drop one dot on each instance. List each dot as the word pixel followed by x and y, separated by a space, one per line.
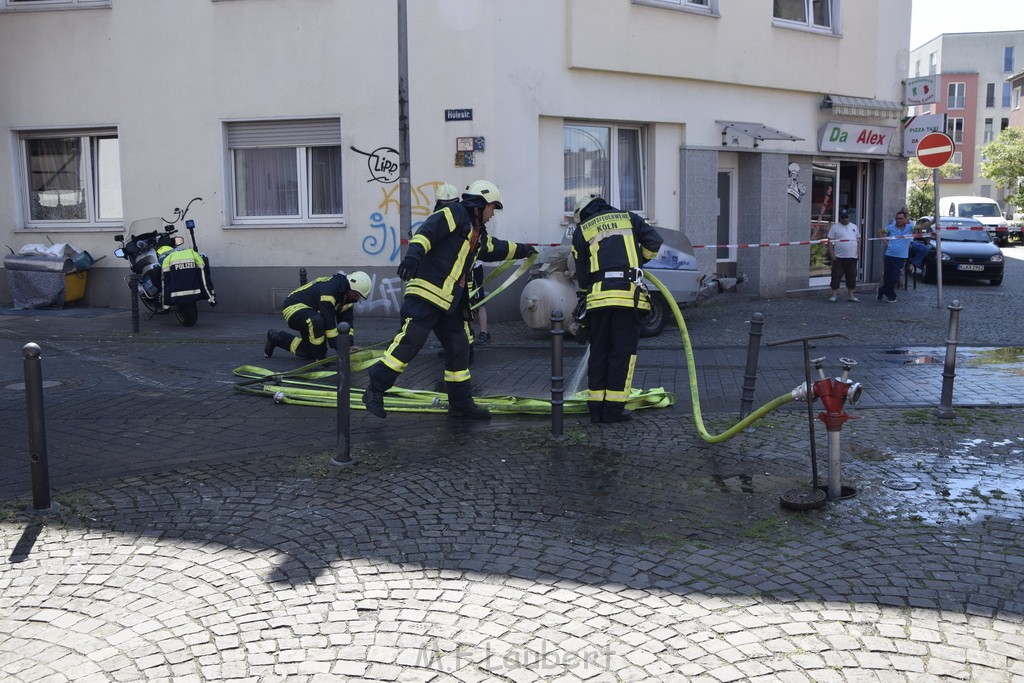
pixel 219 544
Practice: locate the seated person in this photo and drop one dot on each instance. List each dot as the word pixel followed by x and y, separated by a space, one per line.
pixel 918 247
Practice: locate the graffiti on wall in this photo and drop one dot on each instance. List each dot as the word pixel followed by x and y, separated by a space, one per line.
pixel 383 238
pixel 385 297
pixel 382 164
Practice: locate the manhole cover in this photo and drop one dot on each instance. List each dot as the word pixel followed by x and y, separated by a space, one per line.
pixel 900 484
pixel 803 499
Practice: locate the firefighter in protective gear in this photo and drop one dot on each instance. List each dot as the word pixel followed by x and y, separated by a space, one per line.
pixel 437 268
pixel 315 310
pixel 609 247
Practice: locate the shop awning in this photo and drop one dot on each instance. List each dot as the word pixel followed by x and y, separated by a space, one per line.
pixel 864 106
pixel 758 131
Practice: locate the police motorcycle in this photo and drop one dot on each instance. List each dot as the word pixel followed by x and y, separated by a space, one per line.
pixel 170 276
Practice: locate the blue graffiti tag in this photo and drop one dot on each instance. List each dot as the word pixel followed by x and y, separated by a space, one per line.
pixel 375 244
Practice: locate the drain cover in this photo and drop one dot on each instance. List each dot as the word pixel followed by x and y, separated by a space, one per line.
pixel 900 484
pixel 803 499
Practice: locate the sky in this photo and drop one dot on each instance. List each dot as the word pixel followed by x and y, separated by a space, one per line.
pixel 933 17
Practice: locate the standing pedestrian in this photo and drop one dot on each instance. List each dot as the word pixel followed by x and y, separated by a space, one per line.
pixel 897 236
pixel 843 250
pixel 609 247
pixel 437 268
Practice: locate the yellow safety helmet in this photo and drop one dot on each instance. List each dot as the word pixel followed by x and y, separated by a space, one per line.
pixel 446 193
pixel 583 203
pixel 360 282
pixel 486 189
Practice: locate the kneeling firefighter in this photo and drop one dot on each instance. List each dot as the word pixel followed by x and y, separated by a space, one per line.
pixel 315 310
pixel 437 267
pixel 609 247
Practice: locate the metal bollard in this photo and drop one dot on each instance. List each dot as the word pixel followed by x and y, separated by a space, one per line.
pixel 133 285
pixel 750 372
pixel 557 376
pixel 37 431
pixel 302 276
pixel 945 409
pixel 343 456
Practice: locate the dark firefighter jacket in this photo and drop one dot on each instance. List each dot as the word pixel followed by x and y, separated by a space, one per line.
pixel 446 246
pixel 609 246
pixel 326 296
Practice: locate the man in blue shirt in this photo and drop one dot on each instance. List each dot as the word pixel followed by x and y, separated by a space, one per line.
pixel 898 236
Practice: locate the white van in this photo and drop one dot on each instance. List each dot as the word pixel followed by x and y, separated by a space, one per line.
pixel 981 208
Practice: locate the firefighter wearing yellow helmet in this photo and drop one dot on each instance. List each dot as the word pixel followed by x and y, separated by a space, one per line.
pixel 437 268
pixel 315 310
pixel 609 247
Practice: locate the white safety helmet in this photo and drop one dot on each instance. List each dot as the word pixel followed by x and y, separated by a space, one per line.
pixel 360 282
pixel 446 193
pixel 486 189
pixel 583 203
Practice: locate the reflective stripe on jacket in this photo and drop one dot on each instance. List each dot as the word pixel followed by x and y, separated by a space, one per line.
pixel 326 296
pixel 608 246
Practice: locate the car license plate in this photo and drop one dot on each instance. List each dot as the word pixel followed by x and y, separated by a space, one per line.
pixel 967 266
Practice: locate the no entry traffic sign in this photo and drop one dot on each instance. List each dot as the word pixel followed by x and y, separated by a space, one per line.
pixel 935 149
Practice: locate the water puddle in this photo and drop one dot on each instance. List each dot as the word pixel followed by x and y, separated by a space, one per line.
pixel 1010 358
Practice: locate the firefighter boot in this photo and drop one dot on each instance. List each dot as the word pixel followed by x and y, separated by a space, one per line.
pixel 621 415
pixel 468 410
pixel 374 401
pixel 276 339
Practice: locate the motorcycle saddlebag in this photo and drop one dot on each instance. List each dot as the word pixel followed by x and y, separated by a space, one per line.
pixel 186 278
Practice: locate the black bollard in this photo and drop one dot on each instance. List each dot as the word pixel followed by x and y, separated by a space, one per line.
pixel 36 430
pixel 343 456
pixel 557 377
pixel 133 285
pixel 750 372
pixel 302 276
pixel 945 409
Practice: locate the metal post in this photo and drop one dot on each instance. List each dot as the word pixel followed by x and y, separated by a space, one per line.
pixel 404 163
pixel 302 277
pixel 750 372
pixel 557 376
pixel 133 285
pixel 36 429
pixel 343 457
pixel 810 412
pixel 945 409
pixel 938 240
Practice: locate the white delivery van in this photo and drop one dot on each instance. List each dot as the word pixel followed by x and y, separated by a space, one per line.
pixel 980 208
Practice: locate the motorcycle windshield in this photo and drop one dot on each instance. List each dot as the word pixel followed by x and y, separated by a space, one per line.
pixel 144 225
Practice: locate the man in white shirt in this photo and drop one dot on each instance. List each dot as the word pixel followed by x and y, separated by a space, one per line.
pixel 843 249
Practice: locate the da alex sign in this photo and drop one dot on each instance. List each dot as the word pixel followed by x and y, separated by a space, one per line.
pixel 855 137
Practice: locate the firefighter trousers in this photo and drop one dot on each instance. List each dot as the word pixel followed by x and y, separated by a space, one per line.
pixel 311 343
pixel 419 319
pixel 614 336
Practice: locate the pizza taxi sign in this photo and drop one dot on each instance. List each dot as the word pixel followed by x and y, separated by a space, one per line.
pixel 854 137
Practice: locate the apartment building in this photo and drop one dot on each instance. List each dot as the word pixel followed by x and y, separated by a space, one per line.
pixel 736 122
pixel 975 95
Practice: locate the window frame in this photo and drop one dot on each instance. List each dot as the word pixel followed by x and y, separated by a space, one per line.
pixel 615 192
pixel 835 18
pixel 957 172
pixel 705 7
pixel 1008 59
pixel 303 174
pixel 990 95
pixel 955 129
pixel 89 171
pixel 45 5
pixel 952 99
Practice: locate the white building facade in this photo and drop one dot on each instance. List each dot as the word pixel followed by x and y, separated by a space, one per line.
pixel 737 122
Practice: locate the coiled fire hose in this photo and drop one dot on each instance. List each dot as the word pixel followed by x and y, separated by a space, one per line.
pixel 691 367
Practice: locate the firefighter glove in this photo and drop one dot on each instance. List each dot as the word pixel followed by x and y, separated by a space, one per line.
pixel 530 250
pixel 407 268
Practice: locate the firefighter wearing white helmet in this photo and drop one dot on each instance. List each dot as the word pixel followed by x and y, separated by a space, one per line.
pixel 444 195
pixel 315 310
pixel 437 268
pixel 609 247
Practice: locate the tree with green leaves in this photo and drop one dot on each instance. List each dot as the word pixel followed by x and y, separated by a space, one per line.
pixel 921 190
pixel 1004 163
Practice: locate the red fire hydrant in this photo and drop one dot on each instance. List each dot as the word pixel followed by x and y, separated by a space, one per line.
pixel 834 392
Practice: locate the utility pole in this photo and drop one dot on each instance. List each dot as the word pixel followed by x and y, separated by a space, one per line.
pixel 404 186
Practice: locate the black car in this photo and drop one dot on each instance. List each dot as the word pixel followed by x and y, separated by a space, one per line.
pixel 967 252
